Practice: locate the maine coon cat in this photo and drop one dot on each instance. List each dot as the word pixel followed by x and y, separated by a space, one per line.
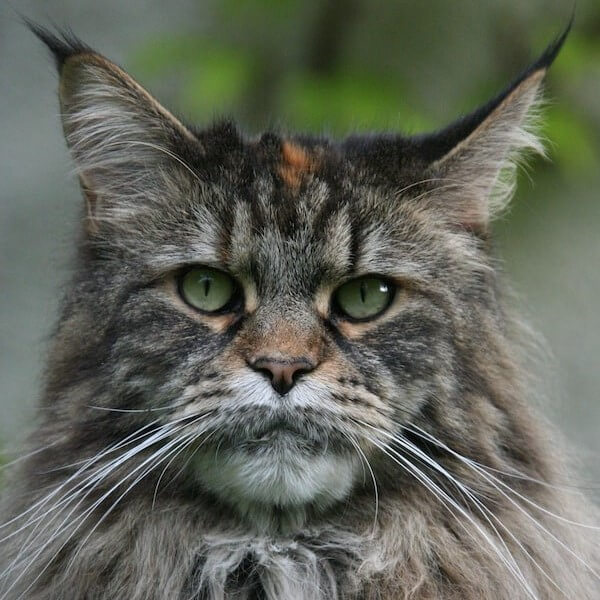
pixel 285 369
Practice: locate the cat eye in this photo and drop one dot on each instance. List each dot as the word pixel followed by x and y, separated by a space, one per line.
pixel 363 298
pixel 207 290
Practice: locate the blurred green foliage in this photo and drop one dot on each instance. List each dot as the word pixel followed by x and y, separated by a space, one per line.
pixel 338 66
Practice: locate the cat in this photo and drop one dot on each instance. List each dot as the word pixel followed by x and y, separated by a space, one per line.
pixel 286 368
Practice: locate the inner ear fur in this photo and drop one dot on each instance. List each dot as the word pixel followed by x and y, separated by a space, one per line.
pixel 477 176
pixel 119 135
pixel 87 78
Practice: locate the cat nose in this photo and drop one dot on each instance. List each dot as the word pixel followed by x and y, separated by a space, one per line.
pixel 283 373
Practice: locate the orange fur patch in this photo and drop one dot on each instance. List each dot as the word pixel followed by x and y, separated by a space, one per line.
pixel 296 163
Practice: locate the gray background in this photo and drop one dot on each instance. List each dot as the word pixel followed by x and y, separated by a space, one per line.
pixel 549 240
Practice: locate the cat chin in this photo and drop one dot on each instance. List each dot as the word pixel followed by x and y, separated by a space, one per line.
pixel 279 477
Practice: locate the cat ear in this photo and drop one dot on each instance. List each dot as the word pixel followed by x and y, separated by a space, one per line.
pixel 472 162
pixel 116 131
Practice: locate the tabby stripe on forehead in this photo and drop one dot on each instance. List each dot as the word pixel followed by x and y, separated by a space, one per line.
pixel 225 238
pixel 338 206
pixel 355 243
pixel 229 232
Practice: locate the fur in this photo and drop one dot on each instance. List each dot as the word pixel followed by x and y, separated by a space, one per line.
pixel 407 464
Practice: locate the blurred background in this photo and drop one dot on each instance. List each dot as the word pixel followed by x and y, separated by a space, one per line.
pixel 331 66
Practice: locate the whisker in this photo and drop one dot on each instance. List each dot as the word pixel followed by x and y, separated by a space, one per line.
pixel 75 523
pixel 127 410
pixel 79 520
pixel 365 460
pixel 162 454
pixel 142 410
pixel 471 494
pixel 86 463
pixel 187 461
pixel 26 456
pixel 91 482
pixel 429 484
pixel 516 474
pixel 155 436
pixel 191 440
pixel 509 561
pixel 482 469
pixel 491 479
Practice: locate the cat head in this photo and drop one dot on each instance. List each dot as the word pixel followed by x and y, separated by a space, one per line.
pixel 284 307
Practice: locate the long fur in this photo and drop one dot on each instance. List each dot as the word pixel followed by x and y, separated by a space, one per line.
pixel 405 464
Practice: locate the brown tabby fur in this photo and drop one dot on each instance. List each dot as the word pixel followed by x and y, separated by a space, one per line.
pixel 164 467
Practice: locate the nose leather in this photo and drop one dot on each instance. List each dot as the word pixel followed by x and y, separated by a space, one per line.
pixel 283 373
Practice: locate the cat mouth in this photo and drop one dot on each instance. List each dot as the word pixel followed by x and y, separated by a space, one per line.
pixel 281 434
pixel 274 431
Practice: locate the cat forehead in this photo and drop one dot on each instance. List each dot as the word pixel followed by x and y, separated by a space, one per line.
pixel 298 189
pixel 312 230
pixel 299 207
pixel 277 208
pixel 227 155
pixel 297 162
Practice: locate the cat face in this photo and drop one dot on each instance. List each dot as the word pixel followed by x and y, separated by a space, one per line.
pixel 287 250
pixel 280 306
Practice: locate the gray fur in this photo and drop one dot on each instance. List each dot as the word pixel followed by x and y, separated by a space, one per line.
pixel 171 469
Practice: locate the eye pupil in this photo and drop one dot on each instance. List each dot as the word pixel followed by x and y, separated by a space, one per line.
pixel 363 291
pixel 206 289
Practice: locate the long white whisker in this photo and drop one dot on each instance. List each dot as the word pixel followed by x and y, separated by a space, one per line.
pixel 439 493
pixel 141 410
pixel 516 474
pixel 128 410
pixel 75 523
pixel 471 495
pixel 483 470
pixel 187 461
pixel 89 482
pixel 168 450
pixel 491 479
pixel 509 561
pixel 186 445
pixel 375 488
pixel 26 456
pixel 94 477
pixel 86 464
pixel 81 518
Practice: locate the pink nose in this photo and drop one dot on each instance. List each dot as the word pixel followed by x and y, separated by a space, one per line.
pixel 283 373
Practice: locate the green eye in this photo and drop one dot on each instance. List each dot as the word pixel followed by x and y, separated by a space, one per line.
pixel 206 289
pixel 364 298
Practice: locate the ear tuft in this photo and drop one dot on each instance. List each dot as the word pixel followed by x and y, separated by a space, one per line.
pixel 62 44
pixel 476 156
pixel 119 135
pixel 550 53
pixel 434 147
